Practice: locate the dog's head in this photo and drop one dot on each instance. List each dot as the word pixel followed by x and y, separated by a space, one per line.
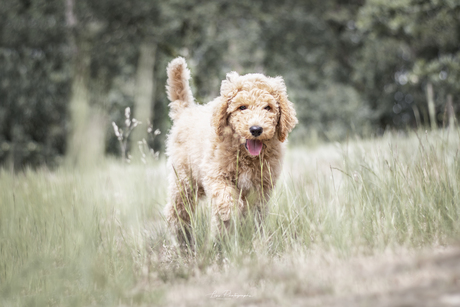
pixel 256 108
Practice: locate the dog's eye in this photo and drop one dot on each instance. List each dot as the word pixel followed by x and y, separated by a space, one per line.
pixel 267 108
pixel 243 108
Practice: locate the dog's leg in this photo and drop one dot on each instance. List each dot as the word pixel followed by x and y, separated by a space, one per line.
pixel 225 204
pixel 180 208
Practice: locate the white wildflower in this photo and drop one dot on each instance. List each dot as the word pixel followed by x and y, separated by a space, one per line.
pixel 115 129
pixel 118 131
pixel 136 122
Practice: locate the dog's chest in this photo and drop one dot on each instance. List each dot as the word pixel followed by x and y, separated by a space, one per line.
pixel 249 179
pixel 246 181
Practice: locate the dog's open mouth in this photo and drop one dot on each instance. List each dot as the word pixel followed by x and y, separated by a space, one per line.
pixel 254 147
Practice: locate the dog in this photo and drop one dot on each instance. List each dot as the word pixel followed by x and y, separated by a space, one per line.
pixel 229 150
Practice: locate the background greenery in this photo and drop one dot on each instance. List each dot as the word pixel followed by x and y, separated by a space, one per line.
pixel 355 67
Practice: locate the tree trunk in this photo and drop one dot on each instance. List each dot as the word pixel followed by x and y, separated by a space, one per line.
pixel 86 138
pixel 418 121
pixel 450 112
pixel 144 94
pixel 95 135
pixel 79 107
pixel 431 109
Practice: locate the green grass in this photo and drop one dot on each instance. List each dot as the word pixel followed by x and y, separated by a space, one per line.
pixel 97 237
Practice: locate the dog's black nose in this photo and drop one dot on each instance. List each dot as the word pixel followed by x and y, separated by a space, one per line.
pixel 256 130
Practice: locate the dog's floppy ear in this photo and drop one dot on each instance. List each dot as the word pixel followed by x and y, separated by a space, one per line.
pixel 219 116
pixel 228 90
pixel 288 119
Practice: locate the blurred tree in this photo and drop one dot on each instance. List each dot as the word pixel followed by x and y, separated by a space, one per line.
pixel 84 135
pixel 145 94
pixel 406 45
pixel 34 82
pixel 117 33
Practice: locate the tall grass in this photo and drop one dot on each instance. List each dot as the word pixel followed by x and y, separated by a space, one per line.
pixel 97 237
pixel 395 191
pixel 76 238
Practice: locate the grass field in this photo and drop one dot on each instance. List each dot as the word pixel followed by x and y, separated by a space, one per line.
pixel 360 223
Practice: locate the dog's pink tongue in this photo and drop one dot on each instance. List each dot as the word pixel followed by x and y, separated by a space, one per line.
pixel 254 147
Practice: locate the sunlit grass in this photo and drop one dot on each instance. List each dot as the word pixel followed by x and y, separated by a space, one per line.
pixel 97 237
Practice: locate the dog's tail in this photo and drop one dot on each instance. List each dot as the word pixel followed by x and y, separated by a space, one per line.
pixel 178 88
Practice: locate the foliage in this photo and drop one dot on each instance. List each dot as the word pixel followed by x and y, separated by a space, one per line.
pixel 410 43
pixel 350 66
pixel 34 84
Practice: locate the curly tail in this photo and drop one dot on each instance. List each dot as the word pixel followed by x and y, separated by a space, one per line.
pixel 178 88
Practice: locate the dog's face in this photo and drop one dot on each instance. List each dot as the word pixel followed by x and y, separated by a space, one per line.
pixel 253 115
pixel 255 108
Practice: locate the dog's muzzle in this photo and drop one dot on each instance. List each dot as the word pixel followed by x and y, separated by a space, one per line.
pixel 256 130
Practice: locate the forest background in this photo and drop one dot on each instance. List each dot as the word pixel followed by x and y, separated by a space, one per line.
pixel 68 69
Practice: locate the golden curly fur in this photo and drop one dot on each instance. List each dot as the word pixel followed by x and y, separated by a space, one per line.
pixel 229 149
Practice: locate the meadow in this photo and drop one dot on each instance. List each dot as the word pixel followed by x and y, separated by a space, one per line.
pixel 360 223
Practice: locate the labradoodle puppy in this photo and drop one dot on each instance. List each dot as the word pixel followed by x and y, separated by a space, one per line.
pixel 229 150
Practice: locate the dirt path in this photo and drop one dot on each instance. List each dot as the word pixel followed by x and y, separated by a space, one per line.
pixel 429 279
pixel 404 278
